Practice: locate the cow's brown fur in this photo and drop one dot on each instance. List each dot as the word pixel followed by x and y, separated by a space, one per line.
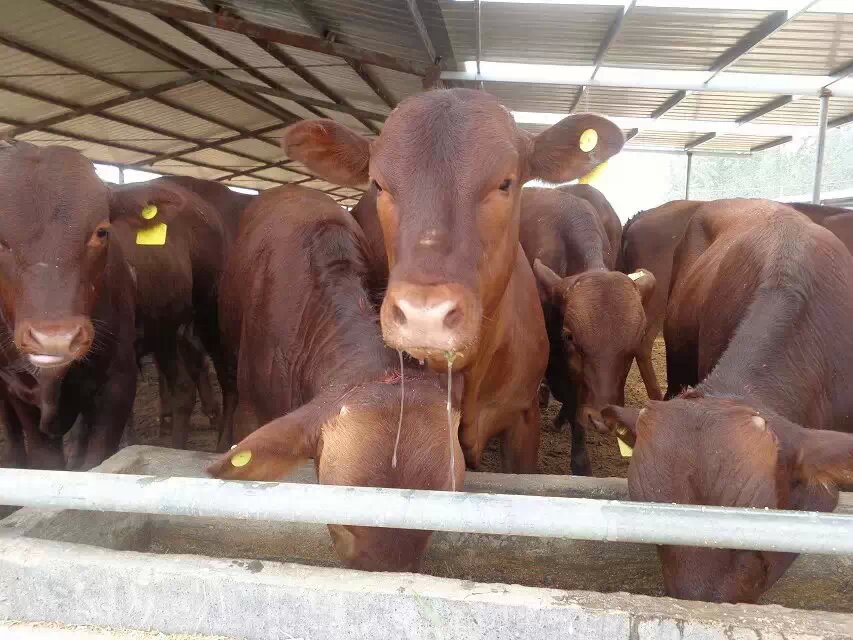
pixel 594 315
pixel 759 318
pixel 295 304
pixel 448 169
pixel 177 284
pixel 61 275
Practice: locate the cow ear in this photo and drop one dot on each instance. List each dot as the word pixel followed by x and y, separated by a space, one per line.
pixel 271 452
pixel 332 151
pixel 573 147
pixel 622 422
pixel 824 457
pixel 645 282
pixel 549 281
pixel 145 206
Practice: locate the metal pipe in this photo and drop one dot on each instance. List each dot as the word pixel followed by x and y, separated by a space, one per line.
pixel 689 174
pixel 578 518
pixel 821 146
pixel 121 175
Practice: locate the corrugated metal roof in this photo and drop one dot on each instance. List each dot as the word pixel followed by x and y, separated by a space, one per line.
pixel 561 34
pixel 814 43
pixel 663 38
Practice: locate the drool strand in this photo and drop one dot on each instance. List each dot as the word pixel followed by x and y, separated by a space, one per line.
pixel 450 358
pixel 400 422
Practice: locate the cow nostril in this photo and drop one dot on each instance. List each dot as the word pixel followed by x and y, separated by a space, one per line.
pixel 397 315
pixel 453 318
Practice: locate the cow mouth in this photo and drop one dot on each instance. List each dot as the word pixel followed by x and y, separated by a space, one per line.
pixel 48 361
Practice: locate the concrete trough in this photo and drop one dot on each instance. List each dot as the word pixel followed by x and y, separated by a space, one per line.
pixel 272 580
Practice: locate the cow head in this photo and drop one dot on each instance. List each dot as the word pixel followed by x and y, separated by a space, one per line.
pixel 54 240
pixel 604 320
pixel 711 451
pixel 351 437
pixel 449 167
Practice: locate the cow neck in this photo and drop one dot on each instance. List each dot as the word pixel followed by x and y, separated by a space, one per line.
pixel 342 343
pixel 789 355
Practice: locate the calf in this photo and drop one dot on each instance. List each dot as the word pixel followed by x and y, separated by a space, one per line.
pixel 177 280
pixel 294 296
pixel 760 313
pixel 66 310
pixel 594 316
pixel 447 171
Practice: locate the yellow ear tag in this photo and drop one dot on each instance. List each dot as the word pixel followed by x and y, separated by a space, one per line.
pixel 624 450
pixel 149 211
pixel 593 175
pixel 589 140
pixel 241 459
pixel 155 235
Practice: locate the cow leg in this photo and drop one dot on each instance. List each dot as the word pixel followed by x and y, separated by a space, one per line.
pixel 647 372
pixel 207 325
pixel 580 465
pixel 166 401
pixel 520 444
pixel 192 352
pixel 75 444
pixel 15 452
pixel 42 452
pixel 107 415
pixel 177 378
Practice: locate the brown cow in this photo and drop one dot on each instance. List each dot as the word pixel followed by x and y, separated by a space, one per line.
pixel 66 310
pixel 448 169
pixel 310 347
pixel 649 240
pixel 177 283
pixel 760 313
pixel 594 315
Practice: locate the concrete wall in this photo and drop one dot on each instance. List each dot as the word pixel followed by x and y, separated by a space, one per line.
pixel 132 571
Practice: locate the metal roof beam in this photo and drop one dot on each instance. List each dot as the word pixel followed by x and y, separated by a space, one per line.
pixel 699 141
pixel 120 28
pixel 119 145
pixel 93 109
pixel 90 73
pixel 673 100
pixel 610 36
pixel 420 26
pixel 305 101
pixel 767 28
pixel 478 26
pixel 273 34
pixel 291 63
pixel 771 144
pixel 779 102
pixel 578 97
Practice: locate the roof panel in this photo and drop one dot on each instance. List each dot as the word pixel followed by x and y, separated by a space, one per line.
pixel 109 131
pixel 95 152
pixel 734 142
pixel 656 37
pixel 717 106
pixel 812 44
pixel 529 33
pixel 49 29
pixel 806 111
pixel 210 100
pixel 156 114
pixel 20 107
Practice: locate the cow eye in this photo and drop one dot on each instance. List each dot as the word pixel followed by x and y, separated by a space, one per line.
pixel 505 185
pixel 102 232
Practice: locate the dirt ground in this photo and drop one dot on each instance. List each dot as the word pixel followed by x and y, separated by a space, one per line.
pixel 554 451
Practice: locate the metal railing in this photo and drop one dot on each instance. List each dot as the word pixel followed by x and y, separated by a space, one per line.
pixel 578 518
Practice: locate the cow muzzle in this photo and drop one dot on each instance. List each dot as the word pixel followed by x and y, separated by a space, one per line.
pixel 427 321
pixel 54 344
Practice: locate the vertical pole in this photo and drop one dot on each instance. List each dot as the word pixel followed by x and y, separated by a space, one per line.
pixel 821 146
pixel 121 175
pixel 479 38
pixel 689 175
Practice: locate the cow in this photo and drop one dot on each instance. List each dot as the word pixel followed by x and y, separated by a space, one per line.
pixel 177 282
pixel 649 240
pixel 758 333
pixel 594 315
pixel 66 311
pixel 313 366
pixel 447 170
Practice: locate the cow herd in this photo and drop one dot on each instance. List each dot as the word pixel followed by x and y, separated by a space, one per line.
pixel 391 343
